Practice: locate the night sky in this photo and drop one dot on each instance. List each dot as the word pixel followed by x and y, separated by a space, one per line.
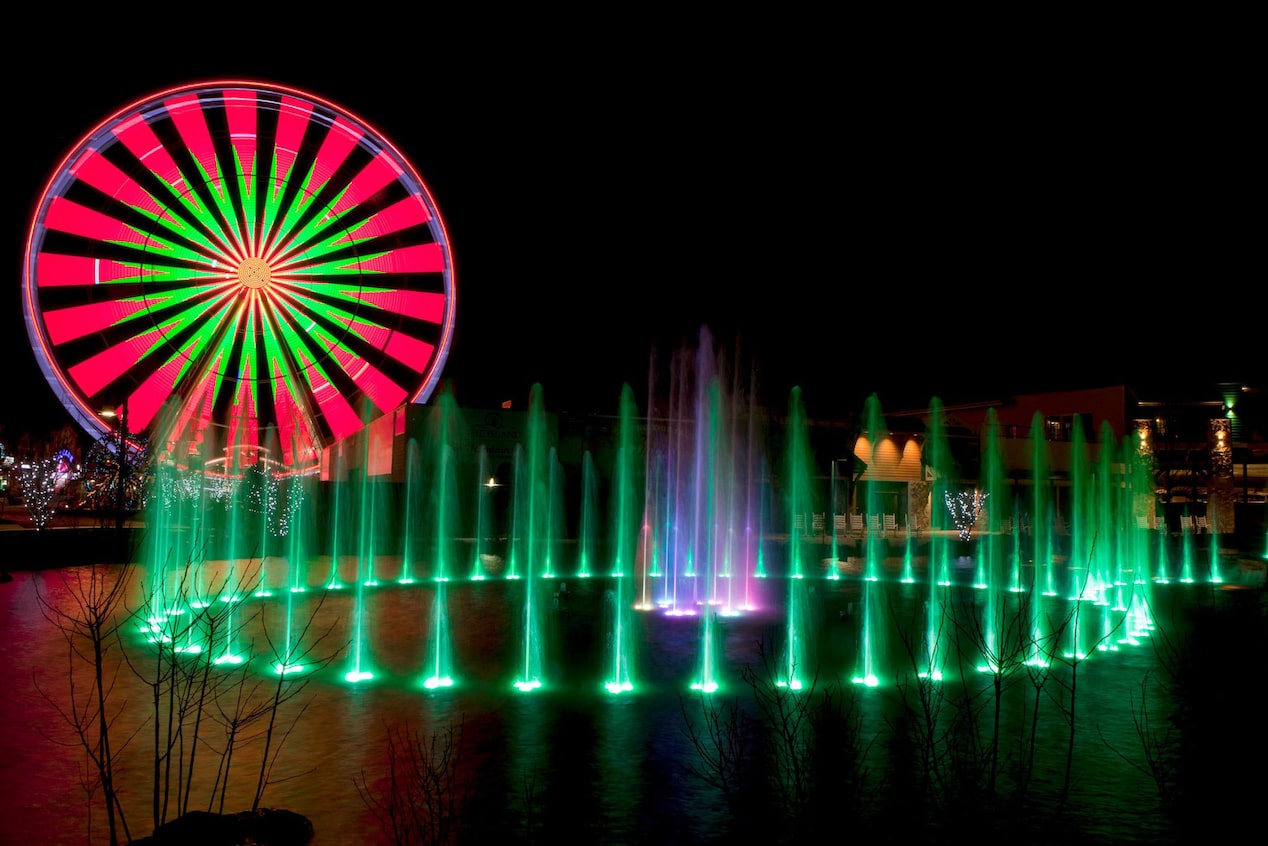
pixel 845 219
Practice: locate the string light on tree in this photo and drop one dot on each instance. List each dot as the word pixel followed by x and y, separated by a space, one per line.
pixel 294 491
pixel 101 473
pixel 39 486
pixel 965 507
pixel 182 486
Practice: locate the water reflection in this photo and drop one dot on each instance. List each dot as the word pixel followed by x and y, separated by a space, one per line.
pixel 568 759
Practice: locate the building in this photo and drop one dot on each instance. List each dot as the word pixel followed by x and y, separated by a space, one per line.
pixel 1205 446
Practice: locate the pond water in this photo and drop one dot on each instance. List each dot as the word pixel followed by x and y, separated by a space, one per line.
pixel 568 759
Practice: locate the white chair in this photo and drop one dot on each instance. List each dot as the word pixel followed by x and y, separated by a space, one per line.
pixel 874 523
pixel 891 523
pixel 817 523
pixel 839 525
pixel 1200 526
pixel 799 524
pixel 856 524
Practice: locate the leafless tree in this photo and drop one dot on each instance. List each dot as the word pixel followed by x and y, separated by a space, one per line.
pixel 189 694
pixel 422 794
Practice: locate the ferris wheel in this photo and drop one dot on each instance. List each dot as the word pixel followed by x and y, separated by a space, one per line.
pixel 239 263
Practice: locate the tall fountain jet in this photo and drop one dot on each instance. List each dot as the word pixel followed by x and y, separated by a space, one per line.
pixel 624 533
pixel 531 530
pixel 796 668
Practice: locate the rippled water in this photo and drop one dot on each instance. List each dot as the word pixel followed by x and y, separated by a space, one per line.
pixel 568 759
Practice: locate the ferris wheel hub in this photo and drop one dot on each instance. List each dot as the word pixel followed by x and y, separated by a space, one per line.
pixel 254 273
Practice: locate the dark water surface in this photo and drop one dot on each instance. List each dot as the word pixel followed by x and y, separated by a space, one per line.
pixel 568 760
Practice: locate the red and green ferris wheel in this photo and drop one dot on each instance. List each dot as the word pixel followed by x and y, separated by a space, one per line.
pixel 238 263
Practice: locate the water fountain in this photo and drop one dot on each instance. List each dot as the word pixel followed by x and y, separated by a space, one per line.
pixel 796 667
pixel 672 551
pixel 625 527
pixel 940 564
pixel 368 514
pixel 484 487
pixel 443 514
pixel 871 641
pixel 679 521
pixel 530 532
pixel 994 549
pixel 413 506
pixel 590 526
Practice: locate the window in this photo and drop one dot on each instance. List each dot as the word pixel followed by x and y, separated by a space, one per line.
pixel 1056 429
pixel 1062 428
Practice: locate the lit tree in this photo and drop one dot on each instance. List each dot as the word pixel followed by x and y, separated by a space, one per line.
pixel 102 474
pixel 6 467
pixel 965 508
pixel 39 485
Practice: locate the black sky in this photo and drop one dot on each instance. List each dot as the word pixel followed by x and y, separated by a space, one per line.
pixel 847 219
